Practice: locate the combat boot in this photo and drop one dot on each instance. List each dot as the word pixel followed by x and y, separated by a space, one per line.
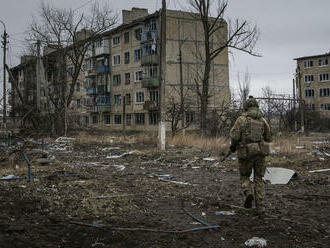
pixel 248 200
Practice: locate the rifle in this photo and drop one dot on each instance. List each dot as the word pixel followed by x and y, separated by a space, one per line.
pixel 227 155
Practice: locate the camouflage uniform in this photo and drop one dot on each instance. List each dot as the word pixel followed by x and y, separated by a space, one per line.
pixel 248 137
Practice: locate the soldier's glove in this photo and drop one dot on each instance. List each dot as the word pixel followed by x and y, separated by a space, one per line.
pixel 234 144
pixel 232 148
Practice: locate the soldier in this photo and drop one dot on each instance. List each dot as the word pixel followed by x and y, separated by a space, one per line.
pixel 248 137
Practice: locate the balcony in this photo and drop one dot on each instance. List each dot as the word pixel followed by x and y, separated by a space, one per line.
pixel 103 69
pixel 95 109
pixel 101 89
pixel 149 36
pixel 150 59
pixel 92 91
pixel 91 72
pixel 150 106
pixel 103 108
pixel 102 50
pixel 150 82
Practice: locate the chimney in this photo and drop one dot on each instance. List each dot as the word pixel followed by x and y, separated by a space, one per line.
pixel 131 15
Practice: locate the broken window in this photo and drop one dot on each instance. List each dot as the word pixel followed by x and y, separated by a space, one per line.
pixel 138 76
pixel 309 79
pixel 128 119
pixel 137 54
pixel 115 40
pixel 323 62
pixel 137 33
pixel 308 64
pixel 126 58
pixel 153 118
pixel 128 99
pixel 323 77
pixel 126 37
pixel 309 93
pixel 139 119
pixel 116 80
pixel 127 78
pixel 139 97
pixel 117 119
pixel 95 119
pixel 324 92
pixel 116 59
pixel 106 119
pixel 117 99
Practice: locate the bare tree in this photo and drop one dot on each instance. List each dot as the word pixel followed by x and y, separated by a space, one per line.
pixel 176 107
pixel 243 87
pixel 70 35
pixel 241 36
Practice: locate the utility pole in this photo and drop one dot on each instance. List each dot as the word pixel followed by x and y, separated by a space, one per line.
pixel 38 74
pixel 162 123
pixel 124 114
pixel 4 46
pixel 294 104
pixel 301 102
pixel 181 91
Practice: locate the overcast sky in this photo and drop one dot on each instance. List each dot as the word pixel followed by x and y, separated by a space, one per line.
pixel 289 29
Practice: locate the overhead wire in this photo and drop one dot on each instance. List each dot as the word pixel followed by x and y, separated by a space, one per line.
pixel 83 5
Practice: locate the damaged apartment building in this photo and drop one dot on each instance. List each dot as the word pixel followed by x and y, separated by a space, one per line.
pixel 313 87
pixel 119 80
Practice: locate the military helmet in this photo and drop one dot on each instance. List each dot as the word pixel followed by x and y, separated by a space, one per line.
pixel 250 102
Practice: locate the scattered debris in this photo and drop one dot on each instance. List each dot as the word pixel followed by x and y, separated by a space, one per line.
pixel 171 181
pixel 276 175
pixel 320 171
pixel 163 176
pixel 116 155
pixel 320 153
pixel 110 148
pixel 64 140
pixel 9 177
pixel 255 241
pixel 110 196
pixel 44 161
pixel 143 229
pixel 100 164
pixel 225 213
pixel 209 159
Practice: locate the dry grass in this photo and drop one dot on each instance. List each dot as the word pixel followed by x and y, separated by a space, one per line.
pixel 142 138
pixel 203 143
pixel 283 145
pixel 288 144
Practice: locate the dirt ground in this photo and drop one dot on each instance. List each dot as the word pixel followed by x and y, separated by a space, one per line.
pixel 98 196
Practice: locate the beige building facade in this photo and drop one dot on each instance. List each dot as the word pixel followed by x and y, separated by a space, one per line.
pixel 119 81
pixel 313 82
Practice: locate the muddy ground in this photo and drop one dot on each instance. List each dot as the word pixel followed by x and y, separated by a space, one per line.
pixel 85 198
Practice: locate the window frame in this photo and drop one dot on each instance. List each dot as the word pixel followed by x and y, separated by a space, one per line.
pixel 126 59
pixel 126 37
pixel 114 59
pixel 116 80
pixel 139 97
pixel 138 120
pixel 321 79
pixel 138 75
pixel 137 54
pixel 117 120
pixel 117 99
pixel 115 38
pixel 308 64
pixel 127 79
